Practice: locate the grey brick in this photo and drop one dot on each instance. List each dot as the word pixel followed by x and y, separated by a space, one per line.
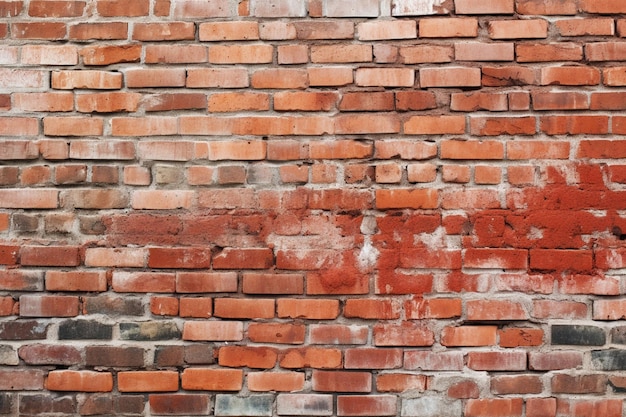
pixel 231 405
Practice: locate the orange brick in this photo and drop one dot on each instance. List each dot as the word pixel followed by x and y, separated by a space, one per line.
pixel 469 336
pixel 385 77
pixel 516 29
pixel 484 7
pixel 98 31
pixel 169 77
pixel 206 379
pixel 88 79
pixel 569 75
pixel 401 29
pixel 539 52
pixel 404 198
pixel 450 77
pixel 477 51
pixel 547 7
pixel 435 125
pixel 110 54
pixel 217 78
pixel 213 331
pixel 228 31
pixel 172 31
pixel 456 173
pixel 83 381
pixel 305 101
pixel 241 54
pixel 293 54
pixel 448 27
pixel 275 381
pixel 330 76
pixel 182 54
pixel 143 126
pixel 585 27
pixel 420 54
pixel 341 53
pixel 279 78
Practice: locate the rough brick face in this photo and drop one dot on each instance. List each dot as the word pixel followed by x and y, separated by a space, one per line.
pixel 312 207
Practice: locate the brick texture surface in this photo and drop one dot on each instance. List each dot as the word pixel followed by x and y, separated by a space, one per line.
pixel 313 208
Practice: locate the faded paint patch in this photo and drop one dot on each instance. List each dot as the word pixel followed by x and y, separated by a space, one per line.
pixel 419 7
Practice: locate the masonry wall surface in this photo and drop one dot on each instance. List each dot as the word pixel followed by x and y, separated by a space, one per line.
pixel 409 208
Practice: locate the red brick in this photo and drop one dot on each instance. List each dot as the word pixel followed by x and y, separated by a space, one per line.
pixel 244 308
pixel 271 283
pixel 516 384
pixel 370 405
pixel 172 31
pixel 76 281
pixel 106 55
pixel 539 52
pixel 39 30
pixel 282 333
pixel 250 357
pixel 399 382
pixel 115 8
pixel 469 336
pixel 508 76
pixel 201 282
pixel 49 256
pixel 143 282
pixel 406 334
pixel 164 306
pixel 98 31
pixel 200 307
pixel 494 407
pixel 311 357
pixel 435 125
pixel 83 381
pixel 464 389
pixel 308 309
pixel 487 310
pixel 591 407
pixel 341 381
pixel 147 381
pixel 420 54
pixel 540 407
pixel 495 126
pixel 515 337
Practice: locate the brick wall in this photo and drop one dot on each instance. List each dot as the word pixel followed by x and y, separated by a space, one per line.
pixel 409 208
